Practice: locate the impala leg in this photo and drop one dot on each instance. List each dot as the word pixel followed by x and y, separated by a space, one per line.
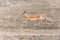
pixel 28 19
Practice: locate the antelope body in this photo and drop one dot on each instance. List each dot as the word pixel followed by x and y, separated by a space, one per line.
pixel 33 17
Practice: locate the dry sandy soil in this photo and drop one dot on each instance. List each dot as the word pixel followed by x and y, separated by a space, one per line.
pixel 11 14
pixel 31 37
pixel 12 21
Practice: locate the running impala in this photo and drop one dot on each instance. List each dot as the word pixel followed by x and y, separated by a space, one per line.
pixel 33 17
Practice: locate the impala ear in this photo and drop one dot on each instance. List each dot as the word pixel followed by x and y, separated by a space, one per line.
pixel 23 13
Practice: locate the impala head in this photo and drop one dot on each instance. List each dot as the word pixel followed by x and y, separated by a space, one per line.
pixel 23 13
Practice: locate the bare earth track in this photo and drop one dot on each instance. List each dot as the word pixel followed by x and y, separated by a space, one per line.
pixel 12 21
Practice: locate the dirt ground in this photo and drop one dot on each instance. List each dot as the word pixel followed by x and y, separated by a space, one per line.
pixel 12 21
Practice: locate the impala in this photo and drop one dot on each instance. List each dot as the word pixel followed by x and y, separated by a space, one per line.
pixel 33 17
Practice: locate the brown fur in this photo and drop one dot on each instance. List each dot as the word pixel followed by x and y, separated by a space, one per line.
pixel 33 17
